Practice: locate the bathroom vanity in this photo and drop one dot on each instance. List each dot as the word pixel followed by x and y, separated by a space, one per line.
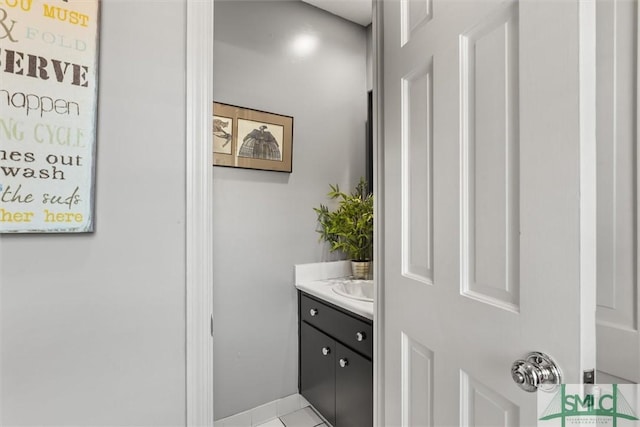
pixel 335 351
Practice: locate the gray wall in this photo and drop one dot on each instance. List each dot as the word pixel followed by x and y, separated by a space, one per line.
pixel 263 221
pixel 92 326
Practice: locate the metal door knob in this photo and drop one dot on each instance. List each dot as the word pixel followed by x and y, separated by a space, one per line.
pixel 326 351
pixel 344 363
pixel 313 312
pixel 360 336
pixel 536 371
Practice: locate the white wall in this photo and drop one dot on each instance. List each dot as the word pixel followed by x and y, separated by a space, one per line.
pixel 93 326
pixel 263 221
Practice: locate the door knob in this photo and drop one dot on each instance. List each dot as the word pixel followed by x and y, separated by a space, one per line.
pixel 344 362
pixel 536 371
pixel 326 351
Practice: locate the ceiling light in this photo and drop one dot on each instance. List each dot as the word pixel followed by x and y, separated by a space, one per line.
pixel 304 45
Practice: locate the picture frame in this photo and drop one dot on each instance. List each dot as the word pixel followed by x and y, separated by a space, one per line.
pixel 251 139
pixel 48 125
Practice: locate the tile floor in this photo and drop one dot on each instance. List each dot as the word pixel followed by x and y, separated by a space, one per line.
pixel 305 417
pixel 289 411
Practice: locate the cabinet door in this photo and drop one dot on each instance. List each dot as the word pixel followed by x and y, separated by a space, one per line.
pixel 317 370
pixel 354 389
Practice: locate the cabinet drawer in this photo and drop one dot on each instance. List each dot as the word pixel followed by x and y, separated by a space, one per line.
pixel 352 332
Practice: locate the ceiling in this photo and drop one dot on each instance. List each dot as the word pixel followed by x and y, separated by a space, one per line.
pixel 358 11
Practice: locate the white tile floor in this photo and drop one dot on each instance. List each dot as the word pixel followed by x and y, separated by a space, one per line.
pixel 305 417
pixel 290 411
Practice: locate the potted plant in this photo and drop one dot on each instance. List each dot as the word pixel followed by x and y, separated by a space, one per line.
pixel 349 228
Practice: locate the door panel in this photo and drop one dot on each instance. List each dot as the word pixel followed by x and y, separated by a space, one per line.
pixel 414 14
pixel 488 213
pixel 417 154
pixel 481 406
pixel 418 383
pixel 617 79
pixel 490 159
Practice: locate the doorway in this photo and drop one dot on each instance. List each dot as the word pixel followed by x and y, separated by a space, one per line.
pixel 293 59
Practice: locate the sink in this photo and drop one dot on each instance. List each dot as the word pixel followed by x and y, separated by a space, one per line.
pixel 361 290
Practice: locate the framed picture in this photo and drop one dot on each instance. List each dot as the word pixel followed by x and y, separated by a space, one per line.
pixel 48 160
pixel 251 139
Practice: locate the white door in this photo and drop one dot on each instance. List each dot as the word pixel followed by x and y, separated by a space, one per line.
pixel 618 309
pixel 488 202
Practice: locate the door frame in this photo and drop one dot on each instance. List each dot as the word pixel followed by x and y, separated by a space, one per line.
pixel 378 209
pixel 199 207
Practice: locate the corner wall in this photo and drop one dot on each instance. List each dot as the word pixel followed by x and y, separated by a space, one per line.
pixel 263 221
pixel 92 326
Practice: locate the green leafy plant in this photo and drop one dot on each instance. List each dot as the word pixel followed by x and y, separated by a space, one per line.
pixel 348 228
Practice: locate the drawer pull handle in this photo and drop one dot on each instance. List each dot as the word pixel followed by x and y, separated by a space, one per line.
pixel 326 351
pixel 313 312
pixel 361 336
pixel 344 363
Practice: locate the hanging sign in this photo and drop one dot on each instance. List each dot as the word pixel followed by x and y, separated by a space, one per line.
pixel 48 101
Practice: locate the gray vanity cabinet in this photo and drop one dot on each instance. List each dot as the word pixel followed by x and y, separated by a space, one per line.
pixel 336 367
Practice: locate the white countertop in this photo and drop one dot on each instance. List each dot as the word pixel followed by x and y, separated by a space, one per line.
pixel 318 279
